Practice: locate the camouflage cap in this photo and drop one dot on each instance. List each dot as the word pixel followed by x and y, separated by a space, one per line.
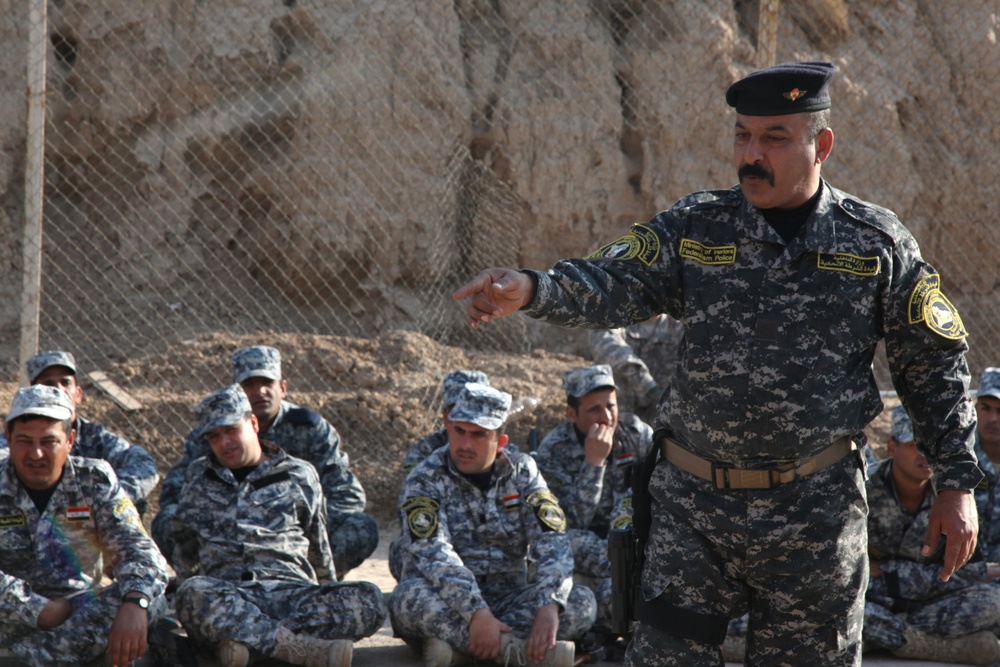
pixel 581 381
pixel 43 360
pixel 481 405
pixel 256 362
pixel 455 382
pixel 902 428
pixel 222 408
pixel 42 401
pixel 989 383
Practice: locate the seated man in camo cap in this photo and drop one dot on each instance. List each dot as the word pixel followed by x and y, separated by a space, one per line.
pixel 475 515
pixel 303 434
pixel 908 609
pixel 987 449
pixel 586 461
pixel 251 549
pixel 135 468
pixel 65 525
pixel 451 388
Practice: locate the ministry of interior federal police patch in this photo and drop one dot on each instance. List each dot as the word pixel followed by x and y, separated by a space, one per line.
pixel 704 254
pixel 640 243
pixel 929 305
pixel 841 261
pixel 421 516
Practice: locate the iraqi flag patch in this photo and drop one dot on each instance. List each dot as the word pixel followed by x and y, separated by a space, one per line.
pixel 77 513
pixel 512 501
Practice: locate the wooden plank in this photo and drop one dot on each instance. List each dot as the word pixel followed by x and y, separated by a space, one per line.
pixel 121 397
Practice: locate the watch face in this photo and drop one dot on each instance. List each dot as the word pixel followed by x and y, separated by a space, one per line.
pixel 142 602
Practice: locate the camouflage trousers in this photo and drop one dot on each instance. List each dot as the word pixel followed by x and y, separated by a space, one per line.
pixel 953 614
pixel 418 612
pixel 212 610
pixel 793 557
pixel 353 538
pixel 81 638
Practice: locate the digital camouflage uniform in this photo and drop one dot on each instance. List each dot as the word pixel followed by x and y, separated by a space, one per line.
pixel 588 494
pixel 775 366
pixel 466 550
pixel 643 356
pixel 910 591
pixel 133 465
pixel 303 434
pixel 89 527
pixel 252 554
pixel 988 492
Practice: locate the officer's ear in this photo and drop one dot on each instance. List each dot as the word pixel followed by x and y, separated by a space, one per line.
pixel 891 445
pixel 570 413
pixel 502 441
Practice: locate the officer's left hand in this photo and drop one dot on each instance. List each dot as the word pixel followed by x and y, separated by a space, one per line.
pixel 954 516
pixel 127 640
pixel 543 632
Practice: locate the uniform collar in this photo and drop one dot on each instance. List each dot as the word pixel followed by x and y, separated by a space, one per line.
pixel 820 228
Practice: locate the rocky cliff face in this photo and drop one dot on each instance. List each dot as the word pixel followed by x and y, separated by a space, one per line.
pixel 316 140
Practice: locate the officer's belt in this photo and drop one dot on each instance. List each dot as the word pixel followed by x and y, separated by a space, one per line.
pixel 756 477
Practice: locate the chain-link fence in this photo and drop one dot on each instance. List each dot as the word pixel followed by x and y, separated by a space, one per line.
pixel 265 167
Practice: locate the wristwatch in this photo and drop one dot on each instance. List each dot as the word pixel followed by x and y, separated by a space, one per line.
pixel 137 599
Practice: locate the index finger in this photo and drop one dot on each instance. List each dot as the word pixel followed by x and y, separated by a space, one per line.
pixel 474 286
pixel 956 554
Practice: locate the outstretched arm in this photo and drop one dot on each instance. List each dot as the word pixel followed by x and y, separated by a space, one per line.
pixel 495 293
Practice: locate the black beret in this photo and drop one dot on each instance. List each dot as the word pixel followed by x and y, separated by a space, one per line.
pixel 783 89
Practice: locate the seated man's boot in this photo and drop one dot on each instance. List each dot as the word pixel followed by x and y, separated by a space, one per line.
pixel 514 653
pixel 312 651
pixel 979 648
pixel 734 648
pixel 232 654
pixel 439 653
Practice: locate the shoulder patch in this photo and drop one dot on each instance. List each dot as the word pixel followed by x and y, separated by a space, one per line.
pixel 640 243
pixel 550 515
pixel 621 522
pixel 302 417
pixel 841 261
pixel 930 306
pixel 703 254
pixel 942 317
pixel 915 311
pixel 421 516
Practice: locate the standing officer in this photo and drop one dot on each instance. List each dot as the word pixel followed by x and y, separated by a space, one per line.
pixel 134 467
pixel 64 523
pixel 784 285
pixel 303 434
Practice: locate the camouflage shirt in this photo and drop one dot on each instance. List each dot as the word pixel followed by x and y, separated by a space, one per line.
pixel 776 360
pixel 89 526
pixel 269 527
pixel 468 544
pixel 303 434
pixel 988 504
pixel 895 539
pixel 135 468
pixel 642 355
pixel 589 493
pixel 423 447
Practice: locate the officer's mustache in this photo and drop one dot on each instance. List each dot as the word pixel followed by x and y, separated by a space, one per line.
pixel 756 170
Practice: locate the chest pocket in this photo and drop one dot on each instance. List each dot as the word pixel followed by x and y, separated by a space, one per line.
pixel 269 499
pixel 827 328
